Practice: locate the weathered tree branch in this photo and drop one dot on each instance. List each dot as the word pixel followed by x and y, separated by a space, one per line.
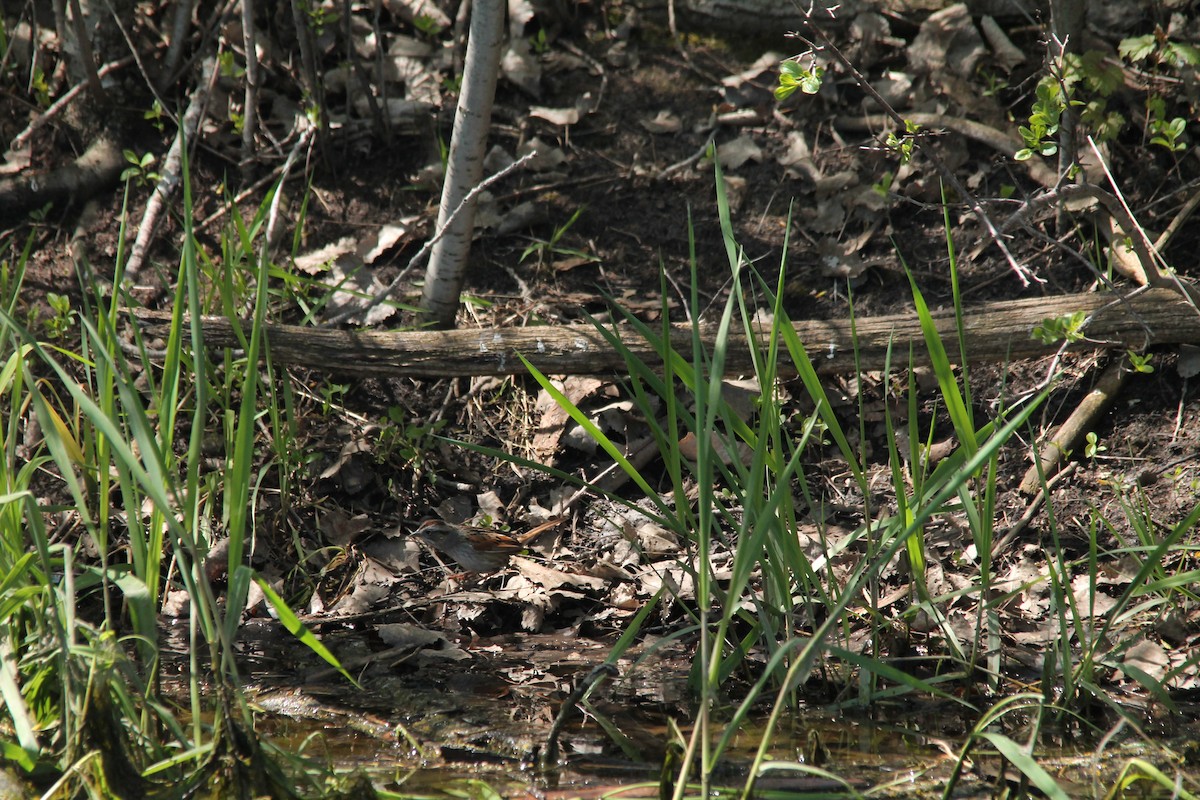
pixel 98 167
pixel 995 332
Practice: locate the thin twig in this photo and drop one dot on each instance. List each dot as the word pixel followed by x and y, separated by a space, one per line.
pixel 992 137
pixel 601 672
pixel 136 54
pixel 239 197
pixel 687 162
pixel 1181 217
pixel 428 246
pixel 1141 242
pixel 58 105
pixel 273 217
pixel 597 68
pixel 210 30
pixel 1119 299
pixel 310 80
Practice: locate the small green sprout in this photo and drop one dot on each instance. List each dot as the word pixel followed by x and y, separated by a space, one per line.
pixel 792 76
pixel 1068 327
pixel 139 168
pixel 1140 362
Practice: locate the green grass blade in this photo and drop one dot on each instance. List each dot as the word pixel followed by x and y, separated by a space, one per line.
pixel 1027 764
pixel 294 626
pixel 956 406
pixel 593 431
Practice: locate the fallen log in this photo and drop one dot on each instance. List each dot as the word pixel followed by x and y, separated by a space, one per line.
pixel 994 332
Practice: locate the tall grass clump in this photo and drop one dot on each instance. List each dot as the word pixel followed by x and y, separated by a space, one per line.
pixel 799 614
pixel 126 438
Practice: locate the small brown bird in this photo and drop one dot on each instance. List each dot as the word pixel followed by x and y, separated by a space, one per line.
pixel 476 549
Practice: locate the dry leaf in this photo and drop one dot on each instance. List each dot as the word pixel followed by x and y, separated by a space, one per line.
pixel 1149 657
pixel 398 634
pixel 319 260
pixel 568 264
pixel 734 154
pixel 374 245
pixel 497 159
pixel 402 45
pixel 556 116
pixel 401 112
pixel 947 41
pixel 490 505
pixel 689 448
pixel 340 529
pixel 356 288
pixel 754 86
pixel 742 396
pixel 1188 365
pixel 1091 604
pixel 391 555
pixel 797 149
pixel 551 579
pixel 520 14
pixel 362 599
pixel 548 157
pixel 553 420
pixel 663 122
pixel 521 217
pixel 521 68
pixel 16 160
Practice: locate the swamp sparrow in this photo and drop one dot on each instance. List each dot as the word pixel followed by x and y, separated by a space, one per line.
pixel 476 549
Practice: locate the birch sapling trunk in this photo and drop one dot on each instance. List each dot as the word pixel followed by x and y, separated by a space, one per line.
pixel 464 169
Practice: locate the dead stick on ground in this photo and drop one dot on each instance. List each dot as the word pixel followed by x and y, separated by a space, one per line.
pixel 54 109
pixel 171 176
pixel 303 142
pixel 1072 432
pixel 1031 510
pixel 1176 225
